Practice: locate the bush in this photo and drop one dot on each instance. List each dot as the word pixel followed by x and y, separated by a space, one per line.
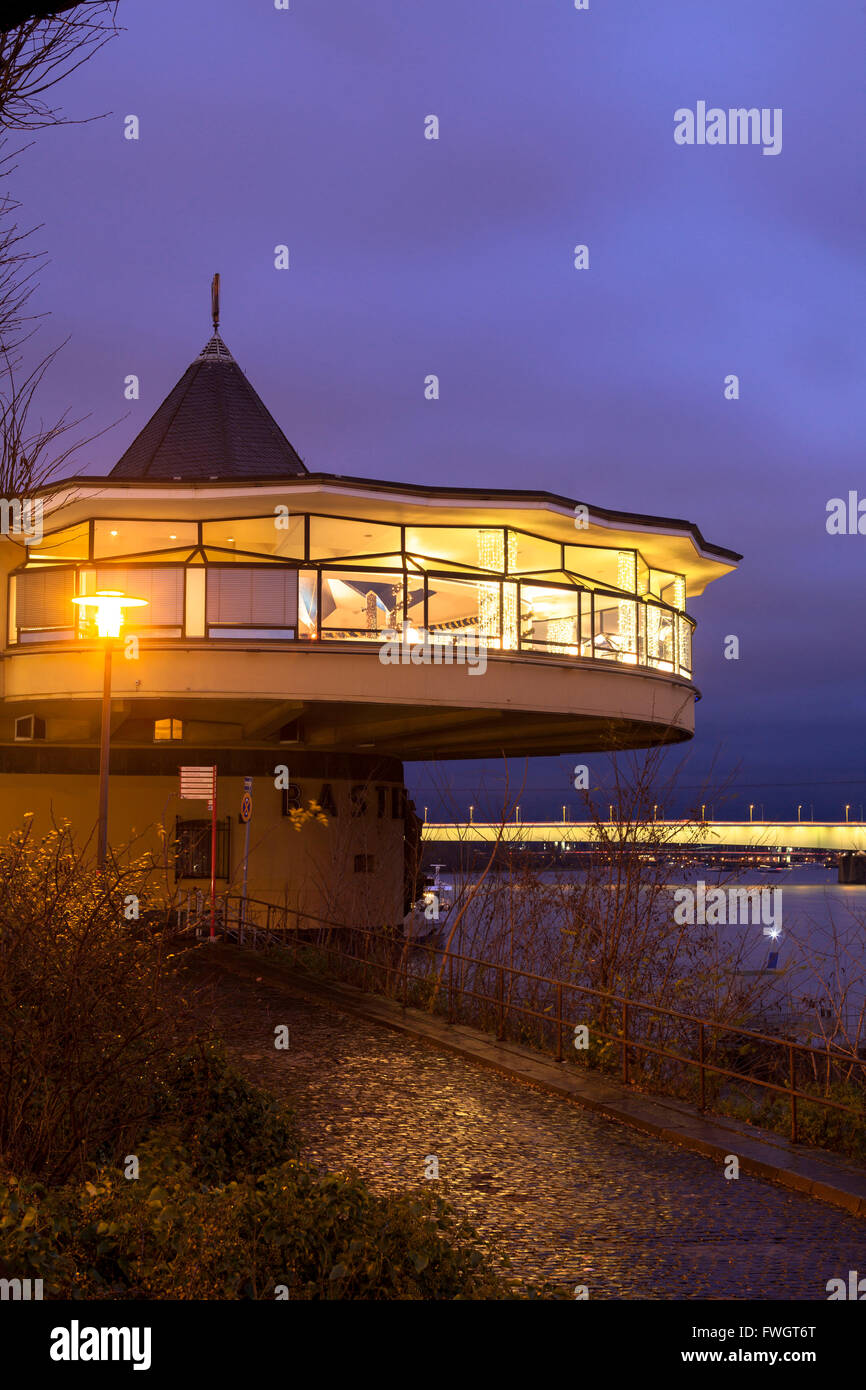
pixel 225 1127
pixel 86 1020
pixel 220 1212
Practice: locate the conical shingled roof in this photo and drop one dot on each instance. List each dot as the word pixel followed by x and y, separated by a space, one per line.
pixel 212 425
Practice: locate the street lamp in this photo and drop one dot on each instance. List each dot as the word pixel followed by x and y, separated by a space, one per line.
pixel 847 809
pixel 799 809
pixel 751 809
pixel 109 605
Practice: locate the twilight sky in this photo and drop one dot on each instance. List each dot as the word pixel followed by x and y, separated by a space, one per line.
pixel 411 256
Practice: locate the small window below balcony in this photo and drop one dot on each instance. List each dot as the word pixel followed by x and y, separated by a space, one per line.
pixel 167 730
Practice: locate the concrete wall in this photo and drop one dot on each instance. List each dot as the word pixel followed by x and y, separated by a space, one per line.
pixel 313 870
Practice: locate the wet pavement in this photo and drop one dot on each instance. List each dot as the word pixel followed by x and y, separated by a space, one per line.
pixel 567 1195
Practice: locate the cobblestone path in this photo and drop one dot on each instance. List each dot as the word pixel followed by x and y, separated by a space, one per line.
pixel 569 1195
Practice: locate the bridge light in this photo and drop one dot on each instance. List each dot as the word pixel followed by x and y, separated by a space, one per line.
pixel 799 809
pixel 751 809
pixel 847 809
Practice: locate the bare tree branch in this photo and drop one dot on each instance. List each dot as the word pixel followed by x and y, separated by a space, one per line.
pixel 43 48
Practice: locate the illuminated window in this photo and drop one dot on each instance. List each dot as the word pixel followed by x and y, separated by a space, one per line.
pixel 358 605
pixel 161 586
pixel 43 607
pixel 70 544
pixel 166 730
pixel 246 600
pixel 331 537
pixel 277 536
pixel 133 537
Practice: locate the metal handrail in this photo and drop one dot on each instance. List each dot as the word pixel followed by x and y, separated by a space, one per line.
pixel 627 1007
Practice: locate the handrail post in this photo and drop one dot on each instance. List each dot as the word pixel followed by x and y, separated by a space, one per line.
pixel 450 988
pixel 625 1044
pixel 792 1059
pixel 703 1104
pixel 501 1033
pixel 559 1020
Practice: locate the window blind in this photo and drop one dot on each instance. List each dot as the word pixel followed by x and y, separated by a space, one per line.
pixel 252 596
pixel 43 598
pixel 162 587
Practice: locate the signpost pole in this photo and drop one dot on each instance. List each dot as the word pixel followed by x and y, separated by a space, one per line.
pixel 246 813
pixel 213 852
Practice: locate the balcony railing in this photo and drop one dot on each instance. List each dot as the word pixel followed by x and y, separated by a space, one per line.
pixel 330 603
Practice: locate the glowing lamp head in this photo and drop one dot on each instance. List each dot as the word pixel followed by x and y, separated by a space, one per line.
pixel 109 605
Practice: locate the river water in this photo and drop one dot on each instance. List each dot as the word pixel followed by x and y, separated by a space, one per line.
pixel 802 944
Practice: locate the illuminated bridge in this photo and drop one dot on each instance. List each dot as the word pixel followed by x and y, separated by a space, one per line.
pixel 834 837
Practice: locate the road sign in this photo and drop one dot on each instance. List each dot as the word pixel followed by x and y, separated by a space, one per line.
pixel 246 807
pixel 198 784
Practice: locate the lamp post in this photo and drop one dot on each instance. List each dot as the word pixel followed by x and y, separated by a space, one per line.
pixel 799 809
pixel 751 809
pixel 109 605
pixel 847 809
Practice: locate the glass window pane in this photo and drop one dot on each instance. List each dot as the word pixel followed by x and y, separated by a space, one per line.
pixel 548 618
pixel 528 554
pixel 43 598
pixel 616 629
pixel 161 587
pixel 358 605
pixel 660 637
pixel 466 605
pixel 332 536
pixel 595 564
pixel 132 537
pixel 277 536
pixel 252 597
pixel 70 544
pixel 308 605
pixel 460 545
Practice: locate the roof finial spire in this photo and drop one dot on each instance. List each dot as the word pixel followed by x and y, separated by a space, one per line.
pixel 215 302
